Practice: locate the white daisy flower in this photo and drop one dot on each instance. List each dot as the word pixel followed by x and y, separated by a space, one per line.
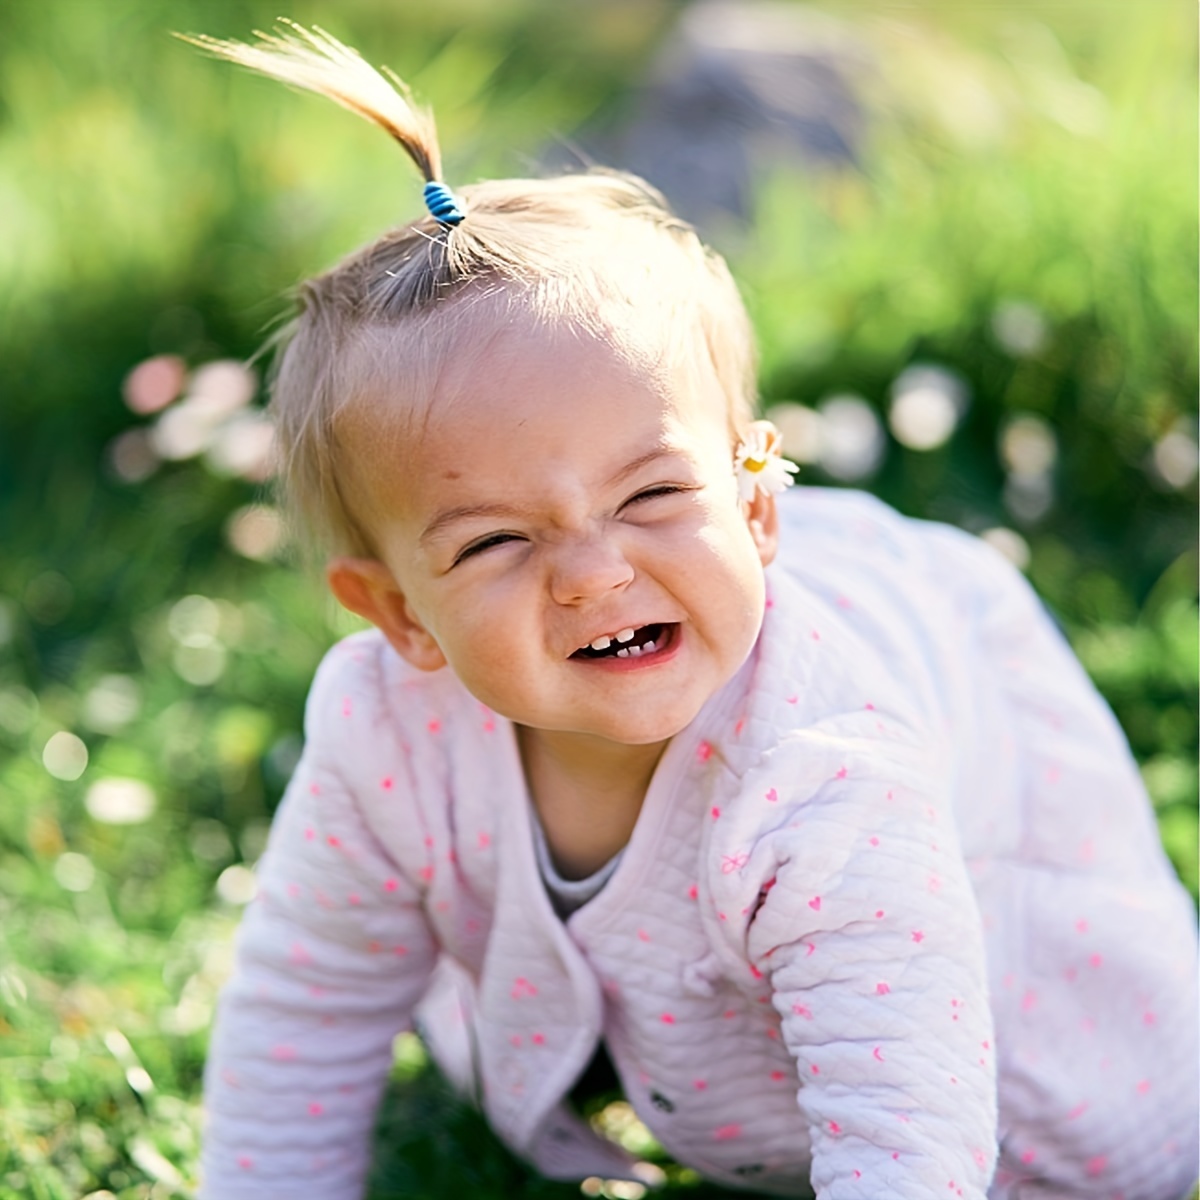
pixel 759 463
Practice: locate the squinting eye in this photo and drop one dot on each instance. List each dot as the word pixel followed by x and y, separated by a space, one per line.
pixel 663 489
pixel 495 539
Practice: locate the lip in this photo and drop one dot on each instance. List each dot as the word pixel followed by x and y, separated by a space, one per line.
pixel 661 654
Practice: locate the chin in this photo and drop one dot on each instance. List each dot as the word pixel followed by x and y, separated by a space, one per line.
pixel 648 732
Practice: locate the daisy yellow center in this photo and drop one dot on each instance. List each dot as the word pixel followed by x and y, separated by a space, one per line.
pixel 755 464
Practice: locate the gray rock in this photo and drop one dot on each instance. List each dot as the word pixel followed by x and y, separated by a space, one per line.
pixel 737 85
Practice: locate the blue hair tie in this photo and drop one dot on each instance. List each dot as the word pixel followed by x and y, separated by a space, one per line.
pixel 442 203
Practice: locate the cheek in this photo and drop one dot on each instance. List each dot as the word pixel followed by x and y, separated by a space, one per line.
pixel 734 574
pixel 481 629
pixel 726 537
pixel 714 570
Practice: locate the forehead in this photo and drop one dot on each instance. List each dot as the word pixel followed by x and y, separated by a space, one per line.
pixel 497 400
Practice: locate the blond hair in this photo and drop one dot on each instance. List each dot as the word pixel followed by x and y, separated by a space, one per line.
pixel 599 251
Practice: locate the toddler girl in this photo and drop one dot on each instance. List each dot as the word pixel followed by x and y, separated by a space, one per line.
pixel 802 809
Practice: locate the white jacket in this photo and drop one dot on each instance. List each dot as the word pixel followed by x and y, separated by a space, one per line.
pixel 895 902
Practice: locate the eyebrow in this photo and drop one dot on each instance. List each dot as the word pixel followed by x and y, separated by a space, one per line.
pixel 463 512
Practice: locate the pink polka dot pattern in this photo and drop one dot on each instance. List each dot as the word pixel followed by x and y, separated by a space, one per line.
pixel 817 961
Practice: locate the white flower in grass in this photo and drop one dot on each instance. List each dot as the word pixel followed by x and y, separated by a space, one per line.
pixel 760 464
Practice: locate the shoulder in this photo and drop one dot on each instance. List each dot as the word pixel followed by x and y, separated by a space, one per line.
pixel 363 686
pixel 855 538
pixel 389 739
pixel 853 528
pixel 349 677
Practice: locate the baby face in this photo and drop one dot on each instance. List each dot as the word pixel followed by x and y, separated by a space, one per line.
pixel 567 537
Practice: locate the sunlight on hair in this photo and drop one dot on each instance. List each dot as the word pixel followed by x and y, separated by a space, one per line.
pixel 318 62
pixel 600 251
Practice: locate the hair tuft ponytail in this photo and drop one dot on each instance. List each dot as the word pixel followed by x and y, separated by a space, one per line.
pixel 318 62
pixel 599 254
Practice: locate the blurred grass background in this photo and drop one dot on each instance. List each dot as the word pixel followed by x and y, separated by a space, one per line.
pixel 987 316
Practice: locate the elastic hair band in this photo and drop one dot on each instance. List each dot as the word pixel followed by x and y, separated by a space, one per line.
pixel 443 203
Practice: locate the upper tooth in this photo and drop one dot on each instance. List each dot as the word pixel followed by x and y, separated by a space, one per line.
pixel 602 642
pixel 626 635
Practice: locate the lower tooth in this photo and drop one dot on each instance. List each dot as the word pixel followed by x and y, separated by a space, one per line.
pixel 622 653
pixel 648 648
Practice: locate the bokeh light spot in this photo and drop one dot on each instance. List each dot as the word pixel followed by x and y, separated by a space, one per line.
pixel 118 801
pixel 111 703
pixel 18 709
pixel 199 665
pixel 243 446
pixel 237 885
pixel 194 621
pixel 255 531
pixel 1175 457
pixel 65 756
pixel 153 384
pixel 1009 543
pixel 1028 446
pixel 927 402
pixel 183 432
pixel 210 841
pixel 1019 327
pixel 74 872
pixel 852 441
pixel 132 456
pixel 800 428
pixel 225 385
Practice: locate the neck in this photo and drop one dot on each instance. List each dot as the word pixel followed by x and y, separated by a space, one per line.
pixel 588 792
pixel 591 764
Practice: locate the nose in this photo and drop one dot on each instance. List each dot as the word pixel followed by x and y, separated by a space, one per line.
pixel 587 569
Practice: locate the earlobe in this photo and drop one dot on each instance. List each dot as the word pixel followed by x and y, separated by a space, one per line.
pixel 762 518
pixel 367 588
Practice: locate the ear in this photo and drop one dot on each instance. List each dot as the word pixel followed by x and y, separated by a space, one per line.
pixel 366 587
pixel 763 521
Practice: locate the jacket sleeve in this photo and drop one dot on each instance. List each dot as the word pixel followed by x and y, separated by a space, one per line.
pixel 869 935
pixel 330 960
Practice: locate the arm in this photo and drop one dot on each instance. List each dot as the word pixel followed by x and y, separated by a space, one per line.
pixel 330 960
pixel 870 939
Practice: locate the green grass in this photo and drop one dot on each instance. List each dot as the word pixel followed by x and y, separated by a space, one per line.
pixel 430 1145
pixel 157 203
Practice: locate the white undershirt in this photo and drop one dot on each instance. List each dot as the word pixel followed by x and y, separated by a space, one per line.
pixel 567 895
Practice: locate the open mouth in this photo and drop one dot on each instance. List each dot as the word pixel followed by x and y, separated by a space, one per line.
pixel 628 643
